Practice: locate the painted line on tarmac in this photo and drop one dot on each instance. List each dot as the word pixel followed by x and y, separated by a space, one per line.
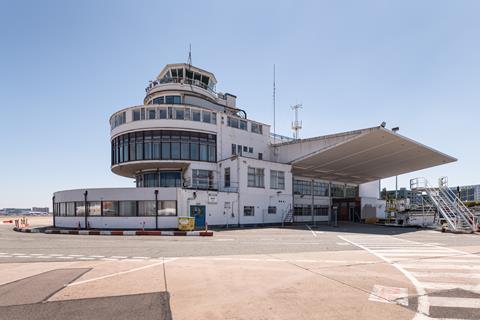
pixel 314 234
pixel 121 272
pixel 423 307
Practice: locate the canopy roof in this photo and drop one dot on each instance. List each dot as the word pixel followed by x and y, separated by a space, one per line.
pixel 359 156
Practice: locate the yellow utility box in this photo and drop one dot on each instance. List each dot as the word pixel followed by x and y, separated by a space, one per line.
pixel 186 224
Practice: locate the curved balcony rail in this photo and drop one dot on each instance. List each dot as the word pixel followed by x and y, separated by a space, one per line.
pixel 197 83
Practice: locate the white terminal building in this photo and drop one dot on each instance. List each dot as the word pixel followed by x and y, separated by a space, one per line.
pixel 193 152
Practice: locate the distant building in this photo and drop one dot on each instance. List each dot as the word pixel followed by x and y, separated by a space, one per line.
pixel 15 211
pixel 465 193
pixel 41 209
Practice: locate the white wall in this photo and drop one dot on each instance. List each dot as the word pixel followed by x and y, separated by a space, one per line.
pixel 370 189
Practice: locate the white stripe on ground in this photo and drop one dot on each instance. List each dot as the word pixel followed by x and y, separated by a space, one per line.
pixel 3 256
pixel 454 302
pixel 450 286
pixel 120 273
pixel 423 307
pixel 97 256
pixel 118 257
pixel 446 275
pixel 141 257
pixel 423 266
pixel 314 234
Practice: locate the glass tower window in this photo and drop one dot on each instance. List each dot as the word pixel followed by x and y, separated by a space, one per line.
pixel 164 145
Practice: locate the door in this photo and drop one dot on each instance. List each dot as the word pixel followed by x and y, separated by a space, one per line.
pixel 198 212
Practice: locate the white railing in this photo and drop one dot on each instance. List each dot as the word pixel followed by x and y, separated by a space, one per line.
pixel 452 209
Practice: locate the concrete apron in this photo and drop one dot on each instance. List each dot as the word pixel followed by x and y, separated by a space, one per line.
pixel 280 286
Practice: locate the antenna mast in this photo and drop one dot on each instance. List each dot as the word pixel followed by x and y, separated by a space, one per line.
pixel 296 125
pixel 274 94
pixel 190 55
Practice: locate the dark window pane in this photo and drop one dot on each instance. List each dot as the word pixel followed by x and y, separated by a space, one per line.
pixel 185 151
pixel 165 150
pixel 194 151
pixel 162 113
pixel 203 152
pixel 175 150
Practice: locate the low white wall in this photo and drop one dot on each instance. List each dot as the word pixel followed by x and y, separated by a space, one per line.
pixel 117 222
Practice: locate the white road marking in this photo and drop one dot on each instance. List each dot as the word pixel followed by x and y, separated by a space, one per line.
pixel 3 253
pixel 141 257
pixel 343 243
pixel 36 254
pixel 86 258
pixel 109 259
pixel 43 257
pixel 313 232
pixel 454 302
pixel 97 256
pixel 4 256
pixel 423 307
pixel 55 255
pixel 423 266
pixel 18 254
pixel 21 256
pixel 389 295
pixel 446 275
pixel 450 286
pixel 118 257
pixel 248 259
pixel 305 260
pixel 64 257
pixel 120 273
pixel 75 255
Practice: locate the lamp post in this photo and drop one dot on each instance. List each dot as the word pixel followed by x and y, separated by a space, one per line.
pixel 156 209
pixel 85 195
pixel 53 210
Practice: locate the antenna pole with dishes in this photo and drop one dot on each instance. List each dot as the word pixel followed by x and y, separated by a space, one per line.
pixel 296 125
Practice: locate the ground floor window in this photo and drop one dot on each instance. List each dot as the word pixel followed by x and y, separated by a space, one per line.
pixel 202 179
pixel 249 211
pixel 125 208
pixel 302 210
pixel 320 210
pixel 272 210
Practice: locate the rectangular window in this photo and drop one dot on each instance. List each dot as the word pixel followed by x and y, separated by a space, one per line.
pixel 338 190
pixel 232 122
pixel 94 208
pixel 277 180
pixel 239 150
pixel 320 189
pixel 194 151
pixel 70 209
pixel 127 208
pixel 260 156
pixel 159 100
pixel 80 209
pixel 214 117
pixel 320 210
pixel 185 149
pixel 302 187
pixel 162 113
pixel 257 128
pixel 196 115
pixel 172 100
pixel 136 115
pixel 175 150
pixel 249 211
pixel 245 149
pixel 110 208
pixel 234 149
pixel 227 177
pixel 206 116
pixel 202 179
pixel 256 177
pixel 165 150
pixel 243 125
pixel 167 208
pixel 272 210
pixel 179 114
pixel 151 114
pixel 146 208
pixel 250 150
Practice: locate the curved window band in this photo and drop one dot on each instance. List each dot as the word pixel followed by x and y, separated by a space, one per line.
pixel 164 145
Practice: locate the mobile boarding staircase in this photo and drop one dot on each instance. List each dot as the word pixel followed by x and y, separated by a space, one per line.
pixel 448 205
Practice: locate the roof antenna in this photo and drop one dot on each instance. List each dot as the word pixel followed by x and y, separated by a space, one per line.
pixel 274 94
pixel 190 55
pixel 296 125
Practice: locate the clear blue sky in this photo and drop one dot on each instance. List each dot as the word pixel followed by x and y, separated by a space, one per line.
pixel 65 66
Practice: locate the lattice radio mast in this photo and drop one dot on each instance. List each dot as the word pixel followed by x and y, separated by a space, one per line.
pixel 296 125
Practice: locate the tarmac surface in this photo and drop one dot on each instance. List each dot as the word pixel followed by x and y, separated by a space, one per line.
pixel 302 272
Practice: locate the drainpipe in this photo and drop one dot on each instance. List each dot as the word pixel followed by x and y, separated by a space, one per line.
pixel 85 194
pixel 156 209
pixel 53 210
